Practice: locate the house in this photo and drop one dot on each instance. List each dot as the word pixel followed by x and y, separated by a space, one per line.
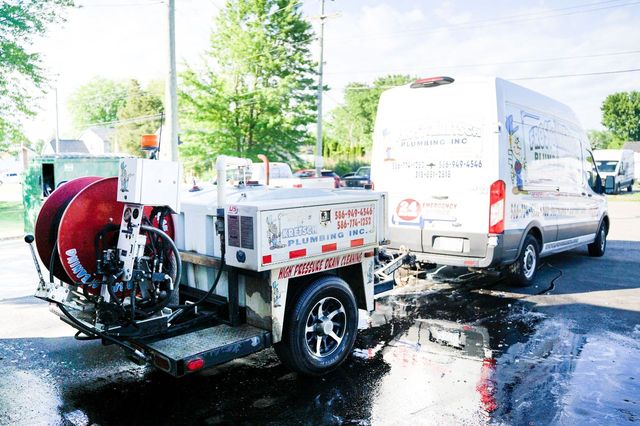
pixel 67 146
pixel 635 147
pixel 99 140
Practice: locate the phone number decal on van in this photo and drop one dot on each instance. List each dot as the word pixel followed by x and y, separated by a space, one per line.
pixel 459 164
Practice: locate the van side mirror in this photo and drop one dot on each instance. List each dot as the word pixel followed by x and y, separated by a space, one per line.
pixel 609 184
pixel 598 188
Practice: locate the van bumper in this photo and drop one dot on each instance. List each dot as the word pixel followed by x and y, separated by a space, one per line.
pixel 493 256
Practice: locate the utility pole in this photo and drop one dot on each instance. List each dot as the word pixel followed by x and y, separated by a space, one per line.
pixel 319 160
pixel 57 125
pixel 171 97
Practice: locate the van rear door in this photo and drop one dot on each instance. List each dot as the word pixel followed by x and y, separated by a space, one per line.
pixel 435 153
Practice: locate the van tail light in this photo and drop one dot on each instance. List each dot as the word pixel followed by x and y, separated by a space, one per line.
pixel 496 207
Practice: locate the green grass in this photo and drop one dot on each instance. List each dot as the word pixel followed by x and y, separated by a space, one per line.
pixel 625 196
pixel 11 221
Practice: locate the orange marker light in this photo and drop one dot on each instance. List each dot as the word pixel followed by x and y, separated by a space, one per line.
pixel 149 142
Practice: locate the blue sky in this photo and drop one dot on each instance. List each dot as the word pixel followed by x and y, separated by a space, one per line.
pixel 366 39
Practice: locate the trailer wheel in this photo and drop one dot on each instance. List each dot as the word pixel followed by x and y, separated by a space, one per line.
pixel 599 245
pixel 630 187
pixel 321 327
pixel 523 271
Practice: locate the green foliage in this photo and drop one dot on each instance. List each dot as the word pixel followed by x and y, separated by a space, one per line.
pixel 350 127
pixel 256 94
pixel 138 103
pixel 21 72
pixel 342 167
pixel 97 102
pixel 621 115
pixel 603 139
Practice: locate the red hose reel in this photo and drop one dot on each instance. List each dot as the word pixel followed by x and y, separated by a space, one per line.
pixel 70 219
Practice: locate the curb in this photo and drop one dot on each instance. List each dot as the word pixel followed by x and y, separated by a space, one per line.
pixel 17 237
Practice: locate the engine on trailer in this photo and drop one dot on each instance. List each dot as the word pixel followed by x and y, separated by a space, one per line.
pixel 108 245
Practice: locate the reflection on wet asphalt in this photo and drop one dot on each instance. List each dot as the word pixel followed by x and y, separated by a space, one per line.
pixel 433 353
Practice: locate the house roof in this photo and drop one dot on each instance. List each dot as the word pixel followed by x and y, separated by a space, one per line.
pixel 69 146
pixel 633 146
pixel 104 133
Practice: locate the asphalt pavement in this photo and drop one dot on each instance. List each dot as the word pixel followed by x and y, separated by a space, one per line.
pixel 436 351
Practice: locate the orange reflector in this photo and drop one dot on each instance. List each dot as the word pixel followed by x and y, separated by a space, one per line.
pixel 358 242
pixel 297 185
pixel 368 254
pixel 149 141
pixel 329 247
pixel 195 364
pixel 266 259
pixel 297 253
pixel 469 262
pixel 161 362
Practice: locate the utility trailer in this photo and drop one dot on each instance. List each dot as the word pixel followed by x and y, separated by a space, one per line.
pixel 188 282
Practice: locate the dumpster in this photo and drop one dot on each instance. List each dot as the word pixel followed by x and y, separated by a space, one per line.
pixel 47 172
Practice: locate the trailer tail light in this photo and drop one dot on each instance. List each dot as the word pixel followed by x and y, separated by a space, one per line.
pixel 195 364
pixel 496 207
pixel 431 82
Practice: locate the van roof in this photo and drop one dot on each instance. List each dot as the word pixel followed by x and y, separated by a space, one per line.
pixel 610 153
pixel 513 92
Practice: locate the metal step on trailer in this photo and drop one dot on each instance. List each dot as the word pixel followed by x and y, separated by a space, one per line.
pixel 195 350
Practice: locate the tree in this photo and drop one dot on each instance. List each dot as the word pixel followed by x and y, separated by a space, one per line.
pixel 621 115
pixel 21 73
pixel 256 93
pixel 138 116
pixel 350 128
pixel 603 139
pixel 97 102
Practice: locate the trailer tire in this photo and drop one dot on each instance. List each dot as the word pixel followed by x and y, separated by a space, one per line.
pixel 523 271
pixel 321 327
pixel 630 187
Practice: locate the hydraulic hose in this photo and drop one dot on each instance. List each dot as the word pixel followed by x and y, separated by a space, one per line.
pixel 178 274
pixel 104 336
pixel 186 308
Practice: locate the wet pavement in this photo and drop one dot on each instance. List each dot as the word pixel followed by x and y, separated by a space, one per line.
pixel 563 351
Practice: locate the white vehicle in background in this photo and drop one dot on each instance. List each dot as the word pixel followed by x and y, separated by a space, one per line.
pixel 281 176
pixel 485 174
pixel 619 164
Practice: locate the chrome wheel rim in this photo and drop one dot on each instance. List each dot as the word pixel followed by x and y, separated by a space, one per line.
pixel 603 238
pixel 529 261
pixel 325 327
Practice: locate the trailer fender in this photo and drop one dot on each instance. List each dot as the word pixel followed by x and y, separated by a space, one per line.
pixel 279 287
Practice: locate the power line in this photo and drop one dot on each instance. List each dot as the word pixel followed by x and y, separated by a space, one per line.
pixel 521 61
pixel 139 119
pixel 516 78
pixel 575 75
pixel 84 6
pixel 585 8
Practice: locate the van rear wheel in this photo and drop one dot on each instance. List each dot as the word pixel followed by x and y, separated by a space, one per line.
pixel 320 329
pixel 523 271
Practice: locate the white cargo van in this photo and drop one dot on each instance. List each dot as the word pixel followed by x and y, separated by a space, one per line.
pixel 617 163
pixel 484 173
